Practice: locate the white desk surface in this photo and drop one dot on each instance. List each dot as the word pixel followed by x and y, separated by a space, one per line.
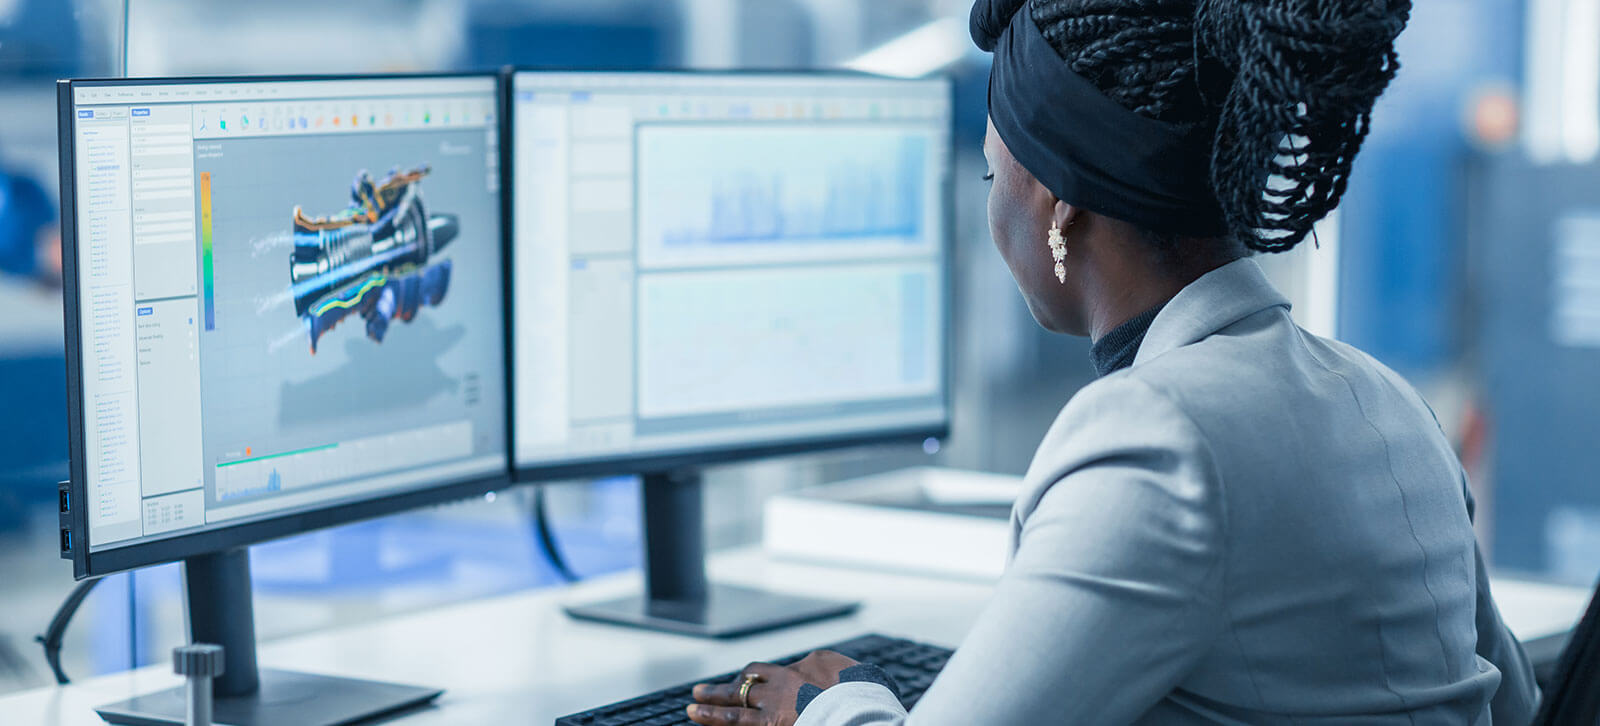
pixel 519 659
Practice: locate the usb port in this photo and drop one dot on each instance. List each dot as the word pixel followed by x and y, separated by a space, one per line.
pixel 66 502
pixel 66 540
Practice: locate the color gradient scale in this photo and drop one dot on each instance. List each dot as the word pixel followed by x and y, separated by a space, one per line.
pixel 206 269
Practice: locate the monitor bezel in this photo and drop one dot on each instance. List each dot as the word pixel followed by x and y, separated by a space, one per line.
pixel 225 536
pixel 703 456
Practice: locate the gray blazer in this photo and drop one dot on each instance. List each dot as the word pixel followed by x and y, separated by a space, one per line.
pixel 1250 524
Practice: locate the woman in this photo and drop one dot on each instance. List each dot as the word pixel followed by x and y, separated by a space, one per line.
pixel 1240 522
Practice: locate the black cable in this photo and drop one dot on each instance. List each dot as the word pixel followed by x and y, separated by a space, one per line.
pixel 51 640
pixel 547 540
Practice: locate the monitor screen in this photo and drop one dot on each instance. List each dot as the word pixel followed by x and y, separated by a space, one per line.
pixel 288 296
pixel 710 262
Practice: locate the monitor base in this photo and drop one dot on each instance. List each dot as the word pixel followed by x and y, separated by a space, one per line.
pixel 725 612
pixel 286 698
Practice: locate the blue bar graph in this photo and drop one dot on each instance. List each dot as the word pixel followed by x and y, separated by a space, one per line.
pixel 860 199
pixel 783 186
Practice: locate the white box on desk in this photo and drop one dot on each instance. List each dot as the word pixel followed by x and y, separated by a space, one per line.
pixel 926 519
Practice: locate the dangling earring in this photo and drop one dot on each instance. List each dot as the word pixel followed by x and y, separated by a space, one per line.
pixel 1058 251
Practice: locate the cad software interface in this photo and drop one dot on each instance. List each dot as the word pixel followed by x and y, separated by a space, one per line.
pixel 707 261
pixel 289 296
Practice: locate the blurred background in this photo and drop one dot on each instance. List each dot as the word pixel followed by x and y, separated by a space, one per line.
pixel 1466 256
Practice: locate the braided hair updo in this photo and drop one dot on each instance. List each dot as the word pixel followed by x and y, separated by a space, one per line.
pixel 1288 86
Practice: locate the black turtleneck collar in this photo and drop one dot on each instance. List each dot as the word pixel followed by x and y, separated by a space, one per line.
pixel 1117 349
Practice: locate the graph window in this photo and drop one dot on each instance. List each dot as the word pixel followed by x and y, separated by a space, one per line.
pixel 289 296
pixel 709 261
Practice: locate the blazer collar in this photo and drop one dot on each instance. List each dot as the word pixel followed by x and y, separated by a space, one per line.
pixel 1218 299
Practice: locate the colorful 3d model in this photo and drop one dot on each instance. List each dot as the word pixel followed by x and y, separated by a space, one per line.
pixel 372 258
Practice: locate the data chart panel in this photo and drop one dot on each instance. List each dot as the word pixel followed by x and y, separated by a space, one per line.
pixel 719 195
pixel 736 340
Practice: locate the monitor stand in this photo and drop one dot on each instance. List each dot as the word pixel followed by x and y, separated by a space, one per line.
pixel 677 597
pixel 218 600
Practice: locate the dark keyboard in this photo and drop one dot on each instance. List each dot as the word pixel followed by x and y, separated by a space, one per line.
pixel 913 666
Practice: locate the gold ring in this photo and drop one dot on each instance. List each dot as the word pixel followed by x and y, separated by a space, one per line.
pixel 750 679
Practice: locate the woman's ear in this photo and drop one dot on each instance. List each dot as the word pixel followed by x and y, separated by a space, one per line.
pixel 1064 214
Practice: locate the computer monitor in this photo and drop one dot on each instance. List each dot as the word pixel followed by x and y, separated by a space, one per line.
pixel 719 266
pixel 284 311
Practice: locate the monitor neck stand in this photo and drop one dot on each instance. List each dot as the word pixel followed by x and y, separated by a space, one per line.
pixel 677 597
pixel 218 602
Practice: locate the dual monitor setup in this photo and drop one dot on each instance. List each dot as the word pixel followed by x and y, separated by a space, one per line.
pixel 298 302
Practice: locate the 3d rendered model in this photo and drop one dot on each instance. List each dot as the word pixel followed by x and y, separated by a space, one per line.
pixel 372 258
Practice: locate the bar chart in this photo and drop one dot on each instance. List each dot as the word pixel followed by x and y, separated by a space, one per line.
pixel 755 193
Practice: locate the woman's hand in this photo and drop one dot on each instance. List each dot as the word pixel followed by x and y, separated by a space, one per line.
pixel 771 697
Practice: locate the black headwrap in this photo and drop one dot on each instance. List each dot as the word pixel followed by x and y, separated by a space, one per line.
pixel 1086 148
